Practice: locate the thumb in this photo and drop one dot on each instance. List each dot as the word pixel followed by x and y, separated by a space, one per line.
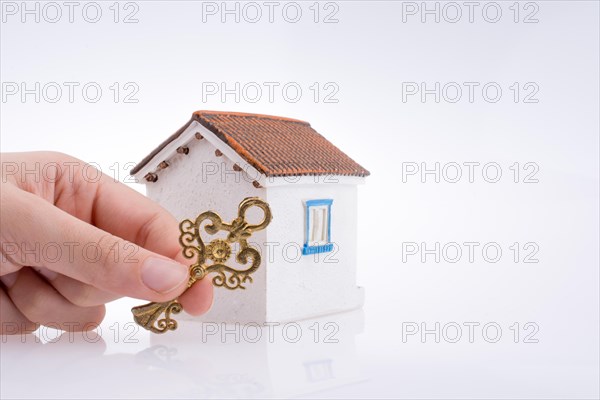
pixel 48 237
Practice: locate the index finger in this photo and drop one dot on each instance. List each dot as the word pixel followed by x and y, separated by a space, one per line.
pixel 116 208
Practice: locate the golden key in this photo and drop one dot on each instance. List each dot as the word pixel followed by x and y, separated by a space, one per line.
pixel 218 252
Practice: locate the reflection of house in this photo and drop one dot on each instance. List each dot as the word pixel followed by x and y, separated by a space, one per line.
pixel 309 250
pixel 319 370
pixel 183 364
pixel 234 365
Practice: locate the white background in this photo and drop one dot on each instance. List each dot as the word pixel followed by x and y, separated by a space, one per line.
pixel 170 53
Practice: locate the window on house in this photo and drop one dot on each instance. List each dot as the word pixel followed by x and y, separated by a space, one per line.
pixel 318 227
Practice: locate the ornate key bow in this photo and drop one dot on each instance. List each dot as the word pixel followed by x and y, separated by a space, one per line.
pixel 218 252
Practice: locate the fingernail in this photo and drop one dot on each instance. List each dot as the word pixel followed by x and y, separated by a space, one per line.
pixel 162 275
pixel 9 279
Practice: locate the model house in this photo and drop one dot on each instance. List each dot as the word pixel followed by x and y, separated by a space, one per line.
pixel 309 250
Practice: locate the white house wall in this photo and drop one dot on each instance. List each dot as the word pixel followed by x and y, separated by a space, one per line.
pixel 304 286
pixel 201 181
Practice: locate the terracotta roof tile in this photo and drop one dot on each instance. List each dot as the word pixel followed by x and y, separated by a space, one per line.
pixel 275 146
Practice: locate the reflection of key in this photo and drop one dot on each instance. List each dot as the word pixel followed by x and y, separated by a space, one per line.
pixel 218 251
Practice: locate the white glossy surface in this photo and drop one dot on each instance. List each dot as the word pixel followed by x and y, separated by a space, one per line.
pixel 340 356
pixel 368 54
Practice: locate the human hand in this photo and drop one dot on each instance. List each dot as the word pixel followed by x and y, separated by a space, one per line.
pixel 70 244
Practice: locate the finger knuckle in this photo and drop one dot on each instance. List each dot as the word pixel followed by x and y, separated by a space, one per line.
pixel 90 319
pixel 109 245
pixel 107 257
pixel 33 306
pixel 17 327
pixel 82 296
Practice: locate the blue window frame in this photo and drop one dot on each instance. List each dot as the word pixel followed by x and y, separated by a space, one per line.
pixel 318 227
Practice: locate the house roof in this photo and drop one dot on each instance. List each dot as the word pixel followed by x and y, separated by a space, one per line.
pixel 275 146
